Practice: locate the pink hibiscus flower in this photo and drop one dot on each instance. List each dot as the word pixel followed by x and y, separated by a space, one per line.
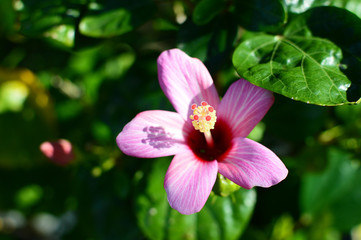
pixel 205 139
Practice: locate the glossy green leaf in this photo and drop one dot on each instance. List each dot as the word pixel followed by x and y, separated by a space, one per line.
pixel 206 10
pixel 295 65
pixel 221 217
pixel 334 24
pixel 320 190
pixel 260 15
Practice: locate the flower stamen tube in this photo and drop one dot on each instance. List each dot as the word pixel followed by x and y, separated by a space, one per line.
pixel 204 118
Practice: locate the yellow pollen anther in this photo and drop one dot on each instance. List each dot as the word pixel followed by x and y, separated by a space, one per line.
pixel 204 117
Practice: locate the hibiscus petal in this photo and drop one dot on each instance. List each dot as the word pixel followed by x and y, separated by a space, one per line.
pixel 154 134
pixel 250 164
pixel 243 106
pixel 189 181
pixel 185 80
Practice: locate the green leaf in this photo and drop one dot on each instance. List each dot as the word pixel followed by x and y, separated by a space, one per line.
pixel 295 65
pixel 334 24
pixel 300 6
pixel 108 24
pixel 206 10
pixel 351 5
pixel 260 15
pixel 7 16
pixel 221 217
pixel 29 196
pixel 62 34
pixel 115 17
pixel 39 17
pixel 335 192
pixel 116 67
pixel 320 191
pixel 347 211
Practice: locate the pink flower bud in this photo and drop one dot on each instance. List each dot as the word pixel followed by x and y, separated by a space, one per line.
pixel 59 152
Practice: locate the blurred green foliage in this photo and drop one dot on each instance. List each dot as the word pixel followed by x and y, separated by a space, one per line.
pixel 82 69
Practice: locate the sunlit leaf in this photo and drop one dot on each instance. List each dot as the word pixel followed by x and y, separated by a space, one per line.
pixel 12 96
pixel 295 65
pixel 46 19
pixel 62 34
pixel 299 6
pixel 351 5
pixel 344 23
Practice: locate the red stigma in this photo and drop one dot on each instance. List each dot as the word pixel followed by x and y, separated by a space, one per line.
pixel 194 106
pixel 208 118
pixel 204 103
pixel 195 117
pixel 210 109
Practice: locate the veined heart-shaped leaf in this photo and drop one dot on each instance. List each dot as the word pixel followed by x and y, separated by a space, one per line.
pixel 344 29
pixel 316 60
pixel 303 68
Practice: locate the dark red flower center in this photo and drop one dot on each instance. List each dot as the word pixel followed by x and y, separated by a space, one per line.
pixel 222 137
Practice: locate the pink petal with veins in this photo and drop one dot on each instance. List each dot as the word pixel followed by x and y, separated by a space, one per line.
pixel 243 106
pixel 185 80
pixel 154 134
pixel 251 164
pixel 189 181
